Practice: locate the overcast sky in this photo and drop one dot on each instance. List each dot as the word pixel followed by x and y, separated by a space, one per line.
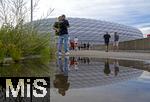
pixel 129 12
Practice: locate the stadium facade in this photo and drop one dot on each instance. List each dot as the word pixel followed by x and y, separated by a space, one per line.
pixel 89 30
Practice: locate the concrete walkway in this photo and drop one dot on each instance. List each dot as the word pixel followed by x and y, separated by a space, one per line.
pixel 117 55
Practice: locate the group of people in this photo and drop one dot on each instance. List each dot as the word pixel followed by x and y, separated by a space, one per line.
pixel 84 46
pixel 107 40
pixel 74 45
pixel 61 30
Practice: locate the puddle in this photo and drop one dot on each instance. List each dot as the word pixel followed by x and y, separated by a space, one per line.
pixel 83 79
pixel 27 68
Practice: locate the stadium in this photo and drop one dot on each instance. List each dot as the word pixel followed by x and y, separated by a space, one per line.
pixel 92 31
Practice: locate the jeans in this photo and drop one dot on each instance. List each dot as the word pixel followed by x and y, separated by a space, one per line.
pixel 64 66
pixel 63 39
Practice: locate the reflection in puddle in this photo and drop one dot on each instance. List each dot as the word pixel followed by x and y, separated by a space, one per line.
pixel 61 78
pixel 27 68
pixel 84 72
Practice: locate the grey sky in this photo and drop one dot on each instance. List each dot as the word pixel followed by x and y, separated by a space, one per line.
pixel 129 12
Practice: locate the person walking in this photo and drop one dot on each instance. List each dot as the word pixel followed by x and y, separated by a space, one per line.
pixel 63 35
pixel 106 40
pixel 72 44
pixel 88 46
pixel 116 41
pixel 84 46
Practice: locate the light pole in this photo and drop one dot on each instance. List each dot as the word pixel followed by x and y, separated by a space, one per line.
pixel 31 10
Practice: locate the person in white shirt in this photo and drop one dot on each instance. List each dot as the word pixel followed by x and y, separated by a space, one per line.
pixel 76 43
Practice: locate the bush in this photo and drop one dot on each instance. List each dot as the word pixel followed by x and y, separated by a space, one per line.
pixel 21 41
pixel 2 52
pixel 14 52
pixel 17 37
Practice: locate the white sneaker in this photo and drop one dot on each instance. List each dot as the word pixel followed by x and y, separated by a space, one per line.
pixel 67 57
pixel 59 53
pixel 67 53
pixel 59 57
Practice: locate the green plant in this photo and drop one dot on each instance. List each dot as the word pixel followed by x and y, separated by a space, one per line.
pixel 18 38
pixel 21 42
pixel 14 52
pixel 2 52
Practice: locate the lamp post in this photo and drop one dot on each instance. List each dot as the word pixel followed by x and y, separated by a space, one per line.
pixel 31 10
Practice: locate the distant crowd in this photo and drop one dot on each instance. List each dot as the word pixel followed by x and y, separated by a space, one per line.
pixel 75 45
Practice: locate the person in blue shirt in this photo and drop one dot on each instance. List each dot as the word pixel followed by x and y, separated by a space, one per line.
pixel 63 35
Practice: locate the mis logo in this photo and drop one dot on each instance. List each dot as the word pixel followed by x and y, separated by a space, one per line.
pixel 26 88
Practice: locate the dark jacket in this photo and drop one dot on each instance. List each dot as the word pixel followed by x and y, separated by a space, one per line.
pixel 64 27
pixel 106 38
